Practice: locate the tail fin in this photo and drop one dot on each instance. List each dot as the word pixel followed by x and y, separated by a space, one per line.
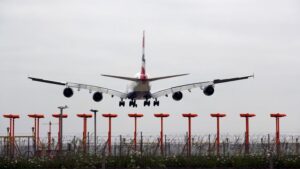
pixel 143 68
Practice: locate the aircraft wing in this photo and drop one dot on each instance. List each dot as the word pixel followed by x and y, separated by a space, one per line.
pixel 79 86
pixel 201 85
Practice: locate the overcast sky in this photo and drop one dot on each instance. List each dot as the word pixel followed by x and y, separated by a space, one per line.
pixel 77 40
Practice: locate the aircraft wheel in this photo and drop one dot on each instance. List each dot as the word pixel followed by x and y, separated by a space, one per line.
pixel 121 103
pixel 147 103
pixel 156 103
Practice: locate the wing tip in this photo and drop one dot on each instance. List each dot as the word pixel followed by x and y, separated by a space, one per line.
pixel 105 75
pixel 32 78
pixel 251 76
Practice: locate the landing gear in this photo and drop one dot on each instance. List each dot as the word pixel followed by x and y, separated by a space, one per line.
pixel 155 102
pixel 122 103
pixel 132 103
pixel 147 103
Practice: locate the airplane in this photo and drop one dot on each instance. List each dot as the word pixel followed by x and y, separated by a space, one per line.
pixel 140 88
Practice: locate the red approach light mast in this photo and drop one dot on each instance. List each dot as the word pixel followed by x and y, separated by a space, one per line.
pixel 84 116
pixel 189 116
pixel 135 116
pixel 109 116
pixel 12 118
pixel 60 122
pixel 218 116
pixel 277 116
pixel 247 143
pixel 37 118
pixel 161 116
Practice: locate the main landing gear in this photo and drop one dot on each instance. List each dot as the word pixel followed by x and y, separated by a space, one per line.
pixel 147 103
pixel 155 103
pixel 132 103
pixel 122 103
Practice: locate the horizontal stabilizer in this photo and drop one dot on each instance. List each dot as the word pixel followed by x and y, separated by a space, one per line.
pixel 166 77
pixel 121 77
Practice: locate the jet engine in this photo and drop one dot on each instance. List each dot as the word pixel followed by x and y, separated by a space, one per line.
pixel 97 97
pixel 68 92
pixel 209 90
pixel 177 96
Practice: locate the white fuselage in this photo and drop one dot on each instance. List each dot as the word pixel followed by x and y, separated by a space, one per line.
pixel 139 89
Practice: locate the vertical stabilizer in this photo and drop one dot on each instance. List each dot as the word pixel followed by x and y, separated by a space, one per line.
pixel 143 75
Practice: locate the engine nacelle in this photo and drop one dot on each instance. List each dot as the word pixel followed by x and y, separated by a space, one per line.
pixel 209 90
pixel 68 92
pixel 97 97
pixel 177 96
